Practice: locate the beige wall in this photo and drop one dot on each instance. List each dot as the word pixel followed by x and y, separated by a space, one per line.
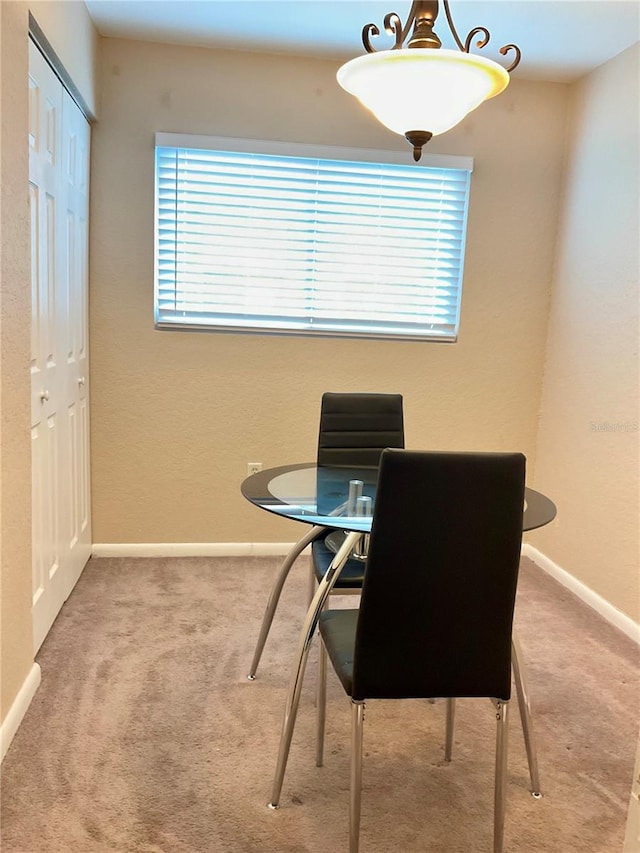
pixel 77 51
pixel 591 372
pixel 176 415
pixel 15 449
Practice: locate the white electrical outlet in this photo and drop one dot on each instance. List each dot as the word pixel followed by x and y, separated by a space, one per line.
pixel 253 468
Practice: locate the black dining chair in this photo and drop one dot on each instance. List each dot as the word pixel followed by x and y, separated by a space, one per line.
pixel 354 430
pixel 436 611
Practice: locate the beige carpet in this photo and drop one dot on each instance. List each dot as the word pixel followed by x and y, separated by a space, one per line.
pixel 146 736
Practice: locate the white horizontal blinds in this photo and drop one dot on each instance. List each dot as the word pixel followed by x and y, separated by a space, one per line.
pixel 234 238
pixel 301 244
pixel 389 242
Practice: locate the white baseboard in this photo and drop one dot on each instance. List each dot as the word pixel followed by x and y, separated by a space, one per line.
pixel 597 602
pixel 18 709
pixel 191 549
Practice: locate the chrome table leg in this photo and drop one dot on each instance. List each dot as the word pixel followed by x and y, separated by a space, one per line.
pixel 274 595
pixel 321 703
pixel 295 684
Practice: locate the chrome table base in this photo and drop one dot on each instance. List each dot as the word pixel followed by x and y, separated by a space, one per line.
pixel 300 661
pixel 275 593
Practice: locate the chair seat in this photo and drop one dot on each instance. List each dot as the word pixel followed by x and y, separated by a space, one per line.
pixel 352 573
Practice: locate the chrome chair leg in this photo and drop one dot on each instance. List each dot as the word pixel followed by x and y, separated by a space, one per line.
pixel 312 583
pixel 295 683
pixel 321 703
pixel 274 595
pixel 524 707
pixel 500 795
pixel 448 742
pixel 355 790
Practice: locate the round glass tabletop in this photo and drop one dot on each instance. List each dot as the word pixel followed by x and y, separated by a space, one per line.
pixel 343 498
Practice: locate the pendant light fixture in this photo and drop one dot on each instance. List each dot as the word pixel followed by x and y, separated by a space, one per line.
pixel 423 90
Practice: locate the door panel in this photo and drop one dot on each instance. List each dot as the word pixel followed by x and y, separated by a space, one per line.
pixel 75 141
pixel 44 155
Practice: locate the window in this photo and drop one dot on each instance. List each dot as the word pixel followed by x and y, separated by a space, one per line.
pixel 282 238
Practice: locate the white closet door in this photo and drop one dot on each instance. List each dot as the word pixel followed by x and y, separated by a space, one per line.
pixel 58 189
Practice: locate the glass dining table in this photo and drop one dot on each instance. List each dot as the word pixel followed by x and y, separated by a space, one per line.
pixel 343 499
pixel 321 496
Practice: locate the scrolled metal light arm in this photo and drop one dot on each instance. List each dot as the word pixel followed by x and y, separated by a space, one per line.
pixel 422 17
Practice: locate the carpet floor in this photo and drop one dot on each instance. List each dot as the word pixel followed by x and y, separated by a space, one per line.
pixel 146 736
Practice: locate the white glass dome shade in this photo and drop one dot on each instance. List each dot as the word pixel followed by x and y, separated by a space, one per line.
pixel 428 90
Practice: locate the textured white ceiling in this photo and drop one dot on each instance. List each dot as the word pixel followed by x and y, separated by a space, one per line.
pixel 560 39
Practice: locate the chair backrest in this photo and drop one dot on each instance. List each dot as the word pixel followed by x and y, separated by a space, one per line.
pixel 439 589
pixel 356 428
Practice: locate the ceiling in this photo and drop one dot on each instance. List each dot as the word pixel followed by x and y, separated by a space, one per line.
pixel 560 39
